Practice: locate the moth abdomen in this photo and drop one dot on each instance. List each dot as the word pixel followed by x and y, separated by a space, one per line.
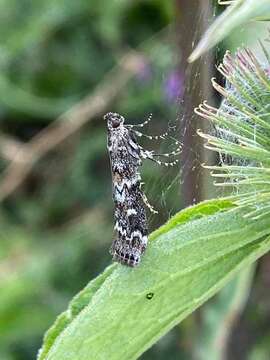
pixel 128 251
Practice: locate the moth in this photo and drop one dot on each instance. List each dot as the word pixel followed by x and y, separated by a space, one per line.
pixel 130 202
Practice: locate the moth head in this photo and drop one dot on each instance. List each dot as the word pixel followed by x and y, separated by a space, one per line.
pixel 114 120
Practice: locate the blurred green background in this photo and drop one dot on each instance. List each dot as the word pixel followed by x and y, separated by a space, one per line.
pixel 56 209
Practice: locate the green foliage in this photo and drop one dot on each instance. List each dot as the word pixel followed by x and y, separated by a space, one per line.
pixel 220 315
pixel 237 14
pixel 57 228
pixel 185 265
pixel 198 251
pixel 50 49
pixel 241 137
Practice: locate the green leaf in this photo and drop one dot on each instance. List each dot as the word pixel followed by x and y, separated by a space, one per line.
pixel 125 310
pixel 241 12
pixel 219 317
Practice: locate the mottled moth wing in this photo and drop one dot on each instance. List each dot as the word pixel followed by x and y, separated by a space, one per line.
pixel 129 200
pixel 130 214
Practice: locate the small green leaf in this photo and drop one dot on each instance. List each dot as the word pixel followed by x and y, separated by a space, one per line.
pixel 239 13
pixel 188 260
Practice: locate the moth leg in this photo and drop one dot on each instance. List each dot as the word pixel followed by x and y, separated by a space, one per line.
pixel 146 154
pixel 171 163
pixel 154 137
pixel 172 153
pixel 150 207
pixel 142 124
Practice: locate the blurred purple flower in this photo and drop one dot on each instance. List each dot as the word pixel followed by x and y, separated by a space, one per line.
pixel 174 86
